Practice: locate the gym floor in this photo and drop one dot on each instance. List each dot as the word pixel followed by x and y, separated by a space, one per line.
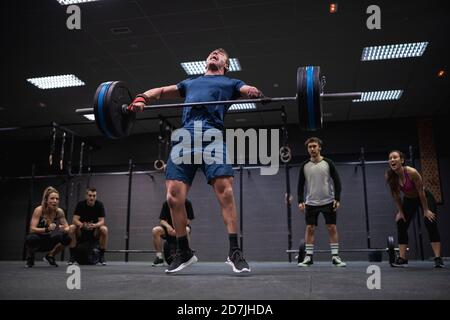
pixel 216 281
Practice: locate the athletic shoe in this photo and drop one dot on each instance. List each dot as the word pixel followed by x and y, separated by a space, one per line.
pixel 50 260
pixel 157 262
pixel 307 261
pixel 438 262
pixel 101 259
pixel 72 260
pixel 30 261
pixel 400 263
pixel 237 262
pixel 337 261
pixel 181 261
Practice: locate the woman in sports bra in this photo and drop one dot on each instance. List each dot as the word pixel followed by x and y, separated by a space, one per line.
pixel 49 230
pixel 406 180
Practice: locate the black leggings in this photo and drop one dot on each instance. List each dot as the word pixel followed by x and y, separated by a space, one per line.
pixel 410 207
pixel 46 241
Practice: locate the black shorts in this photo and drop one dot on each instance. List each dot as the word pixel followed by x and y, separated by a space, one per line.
pixel 312 214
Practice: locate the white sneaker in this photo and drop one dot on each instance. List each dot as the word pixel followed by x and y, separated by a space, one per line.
pixel 307 261
pixel 337 261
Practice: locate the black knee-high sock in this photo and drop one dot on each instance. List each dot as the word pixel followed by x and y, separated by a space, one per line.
pixel 183 243
pixel 233 242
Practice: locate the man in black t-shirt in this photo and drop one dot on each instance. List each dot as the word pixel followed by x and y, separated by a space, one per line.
pixel 89 218
pixel 166 230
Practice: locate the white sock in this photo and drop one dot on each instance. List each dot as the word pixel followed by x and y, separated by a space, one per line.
pixel 159 255
pixel 334 249
pixel 309 249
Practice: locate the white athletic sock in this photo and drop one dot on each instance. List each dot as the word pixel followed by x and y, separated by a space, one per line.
pixel 334 249
pixel 309 249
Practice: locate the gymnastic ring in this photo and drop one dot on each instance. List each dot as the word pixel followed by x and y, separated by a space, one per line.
pixel 159 165
pixel 285 154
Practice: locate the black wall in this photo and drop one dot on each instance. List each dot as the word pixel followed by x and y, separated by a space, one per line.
pixel 264 210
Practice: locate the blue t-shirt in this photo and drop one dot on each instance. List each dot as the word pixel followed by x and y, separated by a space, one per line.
pixel 208 88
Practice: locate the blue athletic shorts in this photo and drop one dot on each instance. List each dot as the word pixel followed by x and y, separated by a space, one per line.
pixel 186 171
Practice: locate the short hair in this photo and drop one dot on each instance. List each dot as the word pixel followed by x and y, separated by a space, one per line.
pixel 227 61
pixel 91 189
pixel 312 140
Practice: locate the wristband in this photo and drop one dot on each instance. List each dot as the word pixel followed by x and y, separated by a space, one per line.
pixel 143 96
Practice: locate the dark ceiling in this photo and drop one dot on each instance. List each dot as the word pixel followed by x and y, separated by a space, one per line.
pixel 270 39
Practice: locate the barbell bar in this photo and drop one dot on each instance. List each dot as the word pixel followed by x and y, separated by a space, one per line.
pixel 169 251
pixel 390 249
pixel 115 121
pixel 168 254
pixel 324 96
pixel 129 251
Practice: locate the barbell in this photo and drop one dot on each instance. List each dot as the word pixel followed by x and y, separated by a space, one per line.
pixel 115 121
pixel 169 250
pixel 390 249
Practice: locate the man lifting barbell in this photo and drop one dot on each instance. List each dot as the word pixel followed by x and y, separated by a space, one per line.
pixel 213 85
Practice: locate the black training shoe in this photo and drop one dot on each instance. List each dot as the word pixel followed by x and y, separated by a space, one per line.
pixel 50 260
pixel 181 261
pixel 30 261
pixel 400 263
pixel 158 262
pixel 101 259
pixel 72 260
pixel 238 262
pixel 438 262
